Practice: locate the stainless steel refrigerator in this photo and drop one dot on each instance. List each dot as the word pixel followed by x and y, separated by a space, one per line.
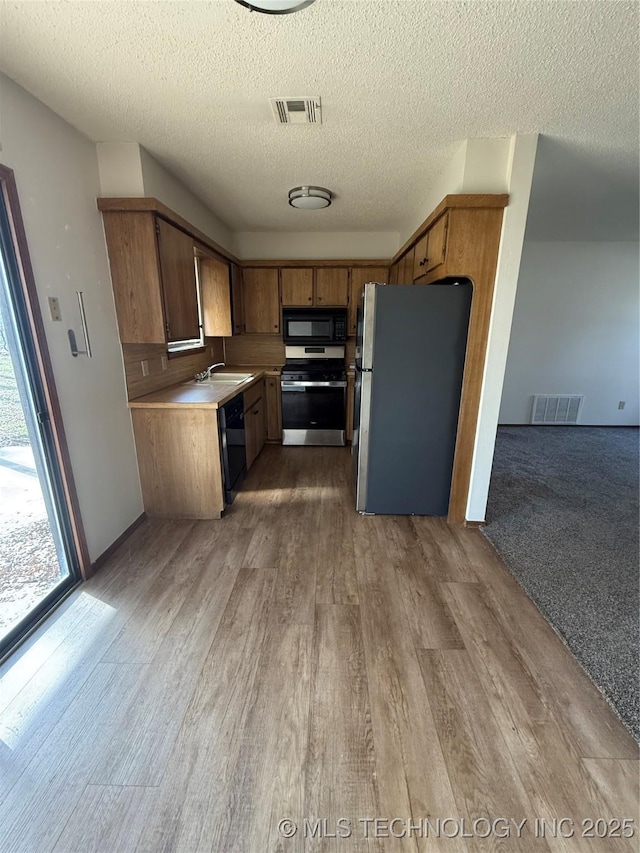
pixel 410 351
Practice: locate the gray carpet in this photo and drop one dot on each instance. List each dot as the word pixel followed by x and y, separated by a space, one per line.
pixel 563 513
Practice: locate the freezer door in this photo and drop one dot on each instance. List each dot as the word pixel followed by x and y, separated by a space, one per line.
pixel 365 327
pixel 360 439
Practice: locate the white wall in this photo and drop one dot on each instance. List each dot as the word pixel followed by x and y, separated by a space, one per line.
pixel 120 169
pixel 520 163
pixel 56 172
pixel 161 184
pixel 575 330
pixel 477 166
pixel 449 182
pixel 127 170
pixel 317 245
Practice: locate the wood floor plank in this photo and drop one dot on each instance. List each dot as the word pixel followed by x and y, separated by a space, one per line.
pixel 485 780
pixel 139 753
pixel 285 674
pixel 430 622
pixel 118 815
pixel 139 639
pixel 210 736
pixel 577 704
pixel 336 571
pixel 412 777
pixel 37 808
pixel 19 669
pixel 444 556
pixel 619 784
pixel 267 782
pixel 546 759
pixel 28 720
pixel 340 779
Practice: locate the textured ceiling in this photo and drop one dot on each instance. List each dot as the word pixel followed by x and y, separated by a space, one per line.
pixel 402 83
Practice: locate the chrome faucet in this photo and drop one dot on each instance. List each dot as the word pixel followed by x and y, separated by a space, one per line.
pixel 206 374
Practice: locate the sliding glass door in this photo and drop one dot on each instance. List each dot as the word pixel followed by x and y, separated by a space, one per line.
pixel 38 554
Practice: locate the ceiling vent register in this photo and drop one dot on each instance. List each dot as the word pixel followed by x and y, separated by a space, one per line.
pixel 296 110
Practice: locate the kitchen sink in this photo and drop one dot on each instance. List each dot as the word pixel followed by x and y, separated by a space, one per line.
pixel 225 379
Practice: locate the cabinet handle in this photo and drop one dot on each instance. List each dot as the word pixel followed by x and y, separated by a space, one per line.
pixel 255 411
pixel 424 261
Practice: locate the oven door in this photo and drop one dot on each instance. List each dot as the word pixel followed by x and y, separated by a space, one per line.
pixel 313 412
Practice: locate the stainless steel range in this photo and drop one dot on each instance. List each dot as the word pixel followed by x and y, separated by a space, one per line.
pixel 314 394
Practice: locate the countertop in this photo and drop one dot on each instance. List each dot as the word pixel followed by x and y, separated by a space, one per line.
pixel 203 395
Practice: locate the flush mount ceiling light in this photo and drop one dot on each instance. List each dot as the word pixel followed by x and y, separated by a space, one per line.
pixel 309 198
pixel 275 7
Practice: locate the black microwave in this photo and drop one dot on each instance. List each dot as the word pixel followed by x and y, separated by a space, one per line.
pixel 314 325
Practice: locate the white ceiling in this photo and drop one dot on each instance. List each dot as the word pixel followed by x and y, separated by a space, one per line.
pixel 402 84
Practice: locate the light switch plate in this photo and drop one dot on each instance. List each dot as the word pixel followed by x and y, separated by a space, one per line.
pixel 54 308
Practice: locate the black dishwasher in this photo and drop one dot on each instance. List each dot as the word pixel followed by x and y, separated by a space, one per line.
pixel 232 445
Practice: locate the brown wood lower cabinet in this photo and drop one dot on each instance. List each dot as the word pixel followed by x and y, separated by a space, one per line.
pixel 274 408
pixel 179 464
pixel 255 422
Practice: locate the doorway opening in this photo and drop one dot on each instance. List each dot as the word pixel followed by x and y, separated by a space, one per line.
pixel 42 549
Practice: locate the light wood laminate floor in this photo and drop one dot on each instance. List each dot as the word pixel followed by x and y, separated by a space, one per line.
pixel 296 660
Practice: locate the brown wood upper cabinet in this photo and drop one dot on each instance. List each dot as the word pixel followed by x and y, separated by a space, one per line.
pixel 296 285
pixel 179 288
pixel 431 249
pixel 359 276
pixel 406 268
pixel 222 313
pixel 237 302
pixel 154 278
pixel 332 286
pixel 323 286
pixel 261 294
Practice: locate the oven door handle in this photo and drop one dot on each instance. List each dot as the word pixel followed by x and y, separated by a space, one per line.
pixel 288 385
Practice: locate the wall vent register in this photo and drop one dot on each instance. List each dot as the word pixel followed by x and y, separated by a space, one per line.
pixel 556 409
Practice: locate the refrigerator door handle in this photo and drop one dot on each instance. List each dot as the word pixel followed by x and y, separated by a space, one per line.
pixel 368 323
pixel 362 460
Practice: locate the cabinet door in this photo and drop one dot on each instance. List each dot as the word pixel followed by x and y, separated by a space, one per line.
pixel 393 273
pixel 296 286
pixel 408 267
pixel 260 415
pixel 405 275
pixel 237 305
pixel 437 247
pixel 332 286
pixel 420 257
pixel 274 409
pixel 261 301
pixel 215 293
pixel 250 437
pixel 179 289
pixel 137 289
pixel 359 276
